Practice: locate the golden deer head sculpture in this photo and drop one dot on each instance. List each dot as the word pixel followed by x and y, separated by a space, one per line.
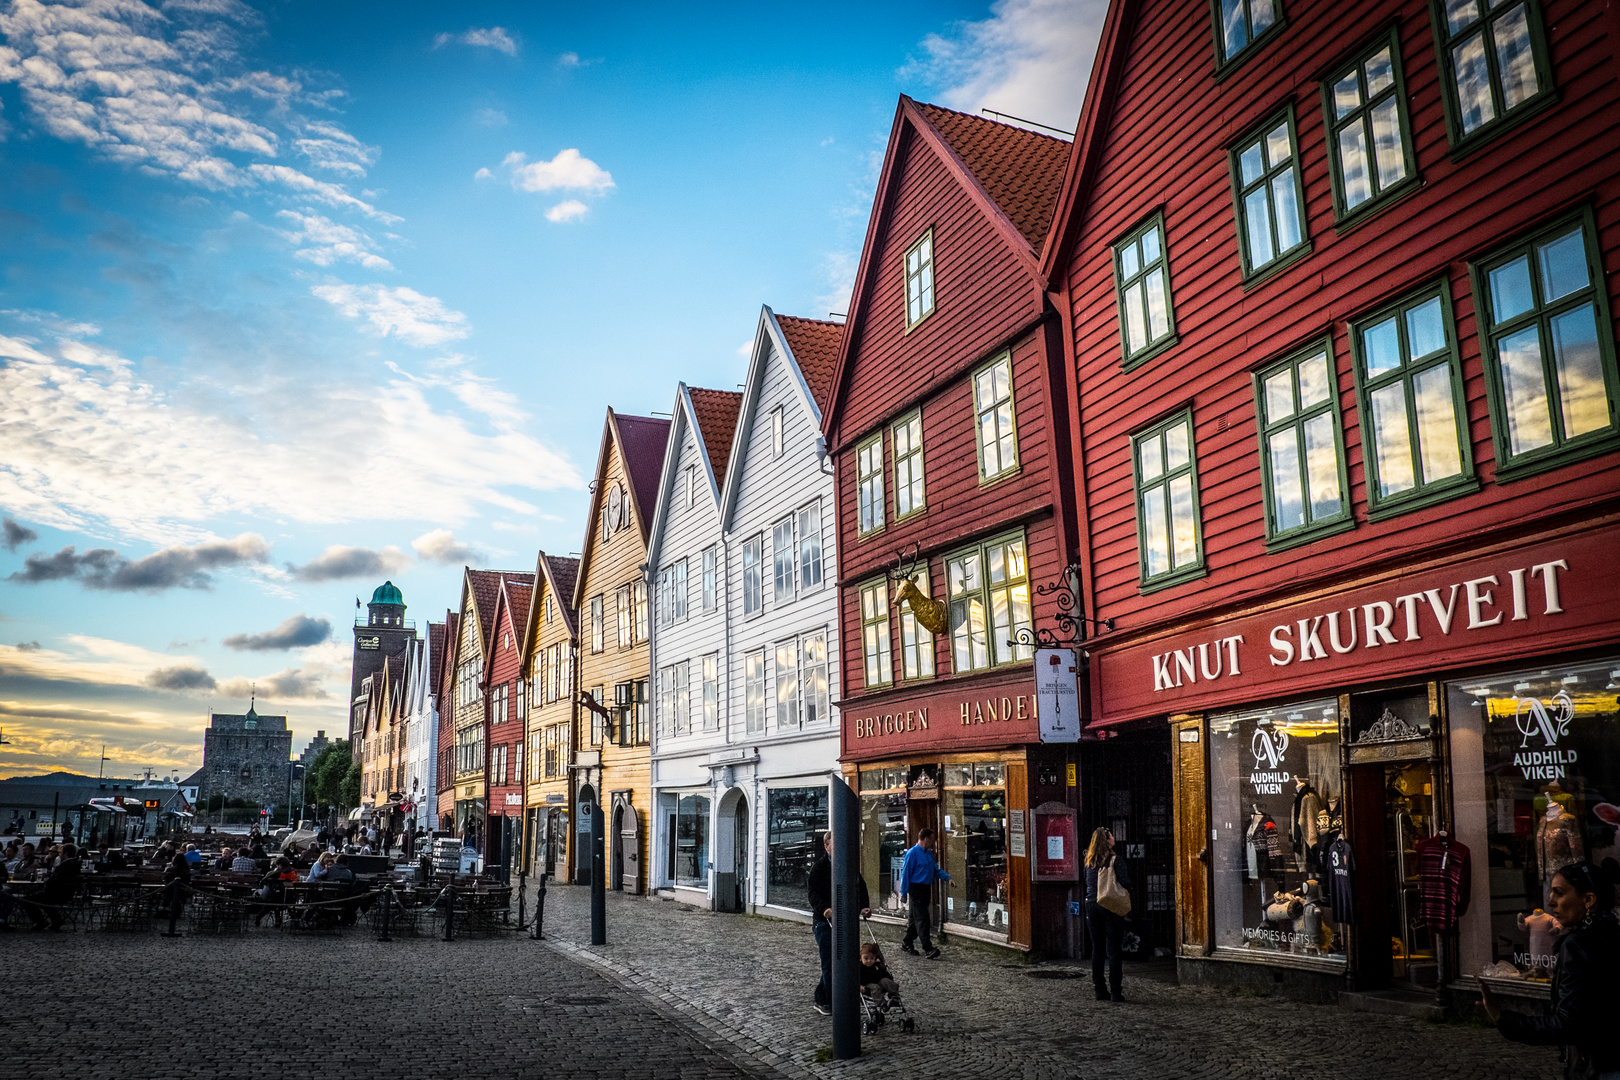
pixel 931 613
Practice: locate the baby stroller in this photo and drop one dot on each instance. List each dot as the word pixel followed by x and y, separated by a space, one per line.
pixel 883 1008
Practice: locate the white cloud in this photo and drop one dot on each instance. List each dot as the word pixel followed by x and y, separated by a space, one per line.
pixel 329 242
pixel 100 448
pixel 493 37
pixel 441 546
pixel 404 313
pixel 572 60
pixel 839 269
pixel 167 92
pixel 567 211
pixel 568 171
pixel 488 117
pixel 1031 59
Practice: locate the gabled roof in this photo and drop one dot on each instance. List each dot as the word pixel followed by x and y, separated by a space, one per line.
pixel 1021 170
pixel 814 345
pixel 435 646
pixel 451 657
pixel 557 575
pixel 714 414
pixel 1085 155
pixel 513 597
pixel 485 586
pixel 641 441
pixel 1012 175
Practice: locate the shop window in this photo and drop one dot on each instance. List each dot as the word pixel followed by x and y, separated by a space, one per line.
pixel 916 642
pixel 796 819
pixel 909 496
pixel 989 603
pixel 1414 417
pixel 1302 446
pixel 1549 349
pixel 876 646
pixel 754 692
pixel 1241 28
pixel 1276 813
pixel 1147 320
pixel 1269 197
pixel 1369 132
pixel 920 280
pixel 689 844
pixel 993 410
pixel 1169 533
pixel 974 851
pixel 753 589
pixel 1535 776
pixel 1493 64
pixel 869 484
pixel 883 839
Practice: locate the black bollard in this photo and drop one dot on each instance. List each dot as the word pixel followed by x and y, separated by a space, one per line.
pixel 387 912
pixel 523 876
pixel 450 911
pixel 846 922
pixel 598 879
pixel 540 908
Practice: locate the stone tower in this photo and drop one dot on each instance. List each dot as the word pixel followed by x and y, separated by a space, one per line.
pixel 245 756
pixel 380 634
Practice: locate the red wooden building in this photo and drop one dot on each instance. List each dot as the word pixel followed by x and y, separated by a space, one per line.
pixel 504 691
pixel 1340 280
pixel 444 780
pixel 948 429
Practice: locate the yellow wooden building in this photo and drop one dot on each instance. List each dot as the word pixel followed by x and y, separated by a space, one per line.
pixel 550 643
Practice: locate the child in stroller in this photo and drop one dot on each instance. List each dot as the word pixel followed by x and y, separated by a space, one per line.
pixel 880 994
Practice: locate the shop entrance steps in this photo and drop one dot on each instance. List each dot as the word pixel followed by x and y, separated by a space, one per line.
pixel 1392 1003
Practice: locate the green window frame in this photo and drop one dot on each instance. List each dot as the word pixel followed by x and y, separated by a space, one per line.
pixel 1169 525
pixel 987 589
pixel 1242 28
pixel 1147 317
pixel 1548 344
pixel 920 279
pixel 869 484
pixel 877 646
pixel 995 419
pixel 1296 402
pixel 1414 412
pixel 906 436
pixel 1369 130
pixel 1268 196
pixel 1494 68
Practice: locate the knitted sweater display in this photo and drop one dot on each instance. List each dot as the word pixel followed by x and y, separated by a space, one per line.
pixel 1444 878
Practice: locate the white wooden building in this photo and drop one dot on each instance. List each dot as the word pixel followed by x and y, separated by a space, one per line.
pixel 744 663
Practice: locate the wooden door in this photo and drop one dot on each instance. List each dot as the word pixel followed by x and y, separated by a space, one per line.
pixel 1370 935
pixel 1190 784
pixel 1019 917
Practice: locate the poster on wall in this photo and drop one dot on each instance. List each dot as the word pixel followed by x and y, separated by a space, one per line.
pixel 1057 695
pixel 1057 847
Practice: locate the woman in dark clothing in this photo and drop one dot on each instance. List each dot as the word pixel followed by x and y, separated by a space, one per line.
pixel 1585 991
pixel 1107 929
pixel 175 881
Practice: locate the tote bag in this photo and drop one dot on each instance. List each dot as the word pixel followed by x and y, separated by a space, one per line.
pixel 1110 893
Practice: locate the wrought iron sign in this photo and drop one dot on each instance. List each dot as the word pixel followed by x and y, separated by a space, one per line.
pixel 1069 622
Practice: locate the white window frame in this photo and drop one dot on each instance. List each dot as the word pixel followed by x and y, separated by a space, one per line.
pixel 778 436
pixel 918 268
pixel 754 692
pixel 710 673
pixel 753 575
pixel 711 578
pixel 869 484
pixel 994 461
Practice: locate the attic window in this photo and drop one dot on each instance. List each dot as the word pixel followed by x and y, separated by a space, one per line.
pixel 920 280
pixel 776 432
pixel 506 640
pixel 691 486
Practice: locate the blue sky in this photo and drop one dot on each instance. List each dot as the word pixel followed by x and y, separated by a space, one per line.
pixel 295 297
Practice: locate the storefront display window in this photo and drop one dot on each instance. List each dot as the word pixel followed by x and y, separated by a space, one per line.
pixel 1276 815
pixel 797 820
pixel 1536 785
pixel 975 848
pixel 883 835
pixel 691 851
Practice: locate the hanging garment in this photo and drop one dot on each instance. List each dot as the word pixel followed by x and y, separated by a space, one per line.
pixel 1444 877
pixel 1558 841
pixel 1341 881
pixel 1307 804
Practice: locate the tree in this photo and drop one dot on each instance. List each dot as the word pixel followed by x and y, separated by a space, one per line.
pixel 350 785
pixel 324 784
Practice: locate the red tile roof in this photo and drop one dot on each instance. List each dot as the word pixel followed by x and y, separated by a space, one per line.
pixel 435 644
pixel 815 348
pixel 716 412
pixel 519 596
pixel 564 572
pixel 1019 169
pixel 485 585
pixel 643 439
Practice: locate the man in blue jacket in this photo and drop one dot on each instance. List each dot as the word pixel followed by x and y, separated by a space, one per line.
pixel 917 876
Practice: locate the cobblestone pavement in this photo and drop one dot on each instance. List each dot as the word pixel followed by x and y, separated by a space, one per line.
pixel 100 1006
pixel 748 980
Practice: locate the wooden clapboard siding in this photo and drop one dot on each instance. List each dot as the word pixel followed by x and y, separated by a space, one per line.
pixel 505 668
pixel 1163 146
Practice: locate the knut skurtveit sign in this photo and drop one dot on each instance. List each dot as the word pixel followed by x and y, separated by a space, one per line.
pixel 1557 592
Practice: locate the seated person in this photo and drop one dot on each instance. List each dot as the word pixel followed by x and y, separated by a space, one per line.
pixel 340 870
pixel 323 866
pixel 48 905
pixel 877 983
pixel 193 856
pixel 244 862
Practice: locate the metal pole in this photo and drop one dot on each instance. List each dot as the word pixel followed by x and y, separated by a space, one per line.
pixel 598 878
pixel 450 911
pixel 540 907
pixel 523 883
pixel 387 912
pixel 846 922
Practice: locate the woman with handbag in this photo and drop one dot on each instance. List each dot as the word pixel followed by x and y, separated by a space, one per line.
pixel 1108 901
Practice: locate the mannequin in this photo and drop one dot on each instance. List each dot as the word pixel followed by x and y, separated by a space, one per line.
pixel 1304 832
pixel 1553 793
pixel 1558 843
pixel 1310 923
pixel 1263 841
pixel 1544 929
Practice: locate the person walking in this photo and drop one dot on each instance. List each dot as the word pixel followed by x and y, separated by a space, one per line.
pixel 1585 993
pixel 1106 928
pixel 821 893
pixel 917 876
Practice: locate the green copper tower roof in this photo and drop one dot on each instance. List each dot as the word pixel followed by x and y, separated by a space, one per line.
pixel 387 593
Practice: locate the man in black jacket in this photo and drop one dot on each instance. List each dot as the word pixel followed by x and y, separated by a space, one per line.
pixel 821 892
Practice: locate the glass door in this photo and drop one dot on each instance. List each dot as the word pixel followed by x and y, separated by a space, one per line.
pixel 1408 818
